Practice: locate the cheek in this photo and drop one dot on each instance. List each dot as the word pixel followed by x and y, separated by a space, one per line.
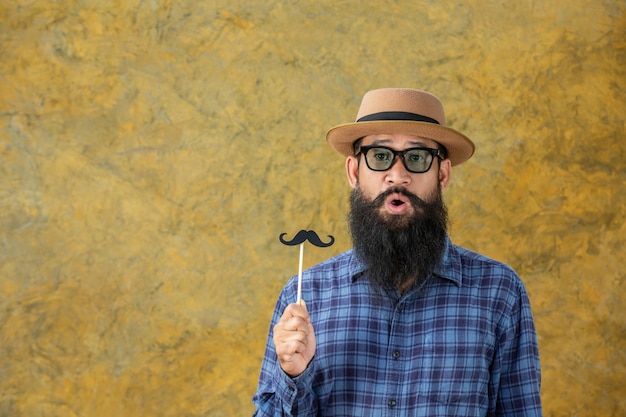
pixel 369 189
pixel 427 188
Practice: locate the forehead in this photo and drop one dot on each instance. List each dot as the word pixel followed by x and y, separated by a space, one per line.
pixel 398 140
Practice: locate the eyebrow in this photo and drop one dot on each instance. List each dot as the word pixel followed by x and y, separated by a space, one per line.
pixel 383 141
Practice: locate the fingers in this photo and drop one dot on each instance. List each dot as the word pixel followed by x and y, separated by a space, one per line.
pixel 298 310
pixel 290 342
pixel 294 325
pixel 294 339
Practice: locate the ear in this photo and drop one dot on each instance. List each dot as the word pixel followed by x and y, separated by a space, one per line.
pixel 352 170
pixel 444 173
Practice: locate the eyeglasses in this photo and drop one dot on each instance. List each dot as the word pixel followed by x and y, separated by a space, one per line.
pixel 415 160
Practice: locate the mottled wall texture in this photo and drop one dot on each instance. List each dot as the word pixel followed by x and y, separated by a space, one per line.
pixel 151 152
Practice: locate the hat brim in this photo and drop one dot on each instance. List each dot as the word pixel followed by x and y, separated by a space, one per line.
pixel 460 148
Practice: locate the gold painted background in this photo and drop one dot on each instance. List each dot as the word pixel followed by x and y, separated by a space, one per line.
pixel 151 152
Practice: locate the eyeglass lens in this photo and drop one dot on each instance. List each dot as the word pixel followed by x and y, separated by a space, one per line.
pixel 416 160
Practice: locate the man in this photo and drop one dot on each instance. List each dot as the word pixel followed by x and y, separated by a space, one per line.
pixel 405 323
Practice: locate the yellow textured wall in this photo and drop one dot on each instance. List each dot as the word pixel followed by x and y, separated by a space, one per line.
pixel 151 152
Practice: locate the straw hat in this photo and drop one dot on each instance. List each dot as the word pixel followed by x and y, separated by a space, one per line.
pixel 401 110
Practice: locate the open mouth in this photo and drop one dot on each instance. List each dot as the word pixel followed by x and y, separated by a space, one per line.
pixel 397 204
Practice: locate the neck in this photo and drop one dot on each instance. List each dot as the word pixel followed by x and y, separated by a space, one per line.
pixel 405 285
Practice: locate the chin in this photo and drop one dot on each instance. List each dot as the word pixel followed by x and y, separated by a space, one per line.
pixel 396 221
pixel 410 212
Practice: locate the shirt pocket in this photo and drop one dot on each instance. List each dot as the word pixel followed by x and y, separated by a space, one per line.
pixel 456 366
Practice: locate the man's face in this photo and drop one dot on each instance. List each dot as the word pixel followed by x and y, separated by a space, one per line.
pixel 372 183
pixel 397 218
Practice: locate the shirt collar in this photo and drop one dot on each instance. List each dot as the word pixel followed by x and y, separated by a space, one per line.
pixel 449 268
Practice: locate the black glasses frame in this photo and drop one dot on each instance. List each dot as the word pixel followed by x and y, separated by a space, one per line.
pixel 433 152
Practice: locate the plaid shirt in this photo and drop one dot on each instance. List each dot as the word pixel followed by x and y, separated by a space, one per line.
pixel 463 346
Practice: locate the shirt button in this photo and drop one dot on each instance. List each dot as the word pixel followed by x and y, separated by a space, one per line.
pixel 391 403
pixel 400 306
pixel 395 354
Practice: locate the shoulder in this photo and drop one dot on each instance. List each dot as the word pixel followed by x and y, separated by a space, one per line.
pixel 337 270
pixel 477 270
pixel 494 285
pixel 475 260
pixel 338 263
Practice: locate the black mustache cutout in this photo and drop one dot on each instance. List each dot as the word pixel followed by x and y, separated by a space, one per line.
pixel 304 235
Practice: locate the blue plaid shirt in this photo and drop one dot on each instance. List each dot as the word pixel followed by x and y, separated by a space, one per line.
pixel 463 346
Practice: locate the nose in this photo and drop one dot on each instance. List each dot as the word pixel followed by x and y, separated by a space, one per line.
pixel 397 174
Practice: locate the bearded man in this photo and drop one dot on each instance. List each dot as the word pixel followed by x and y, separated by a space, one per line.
pixel 405 323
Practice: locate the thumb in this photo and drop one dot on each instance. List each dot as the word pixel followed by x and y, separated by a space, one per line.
pixel 303 304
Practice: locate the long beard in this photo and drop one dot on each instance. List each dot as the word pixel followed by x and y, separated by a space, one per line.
pixel 398 250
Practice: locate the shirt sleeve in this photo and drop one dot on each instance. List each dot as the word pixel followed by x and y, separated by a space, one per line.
pixel 278 394
pixel 516 376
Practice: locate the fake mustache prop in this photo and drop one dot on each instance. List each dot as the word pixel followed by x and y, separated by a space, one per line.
pixel 299 239
pixel 304 235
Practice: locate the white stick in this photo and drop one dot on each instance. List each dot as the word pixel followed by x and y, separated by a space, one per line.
pixel 300 273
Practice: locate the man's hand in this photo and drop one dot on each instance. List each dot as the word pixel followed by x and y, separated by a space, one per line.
pixel 294 339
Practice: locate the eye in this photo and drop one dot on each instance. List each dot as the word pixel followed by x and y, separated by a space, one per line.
pixel 416 157
pixel 381 155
